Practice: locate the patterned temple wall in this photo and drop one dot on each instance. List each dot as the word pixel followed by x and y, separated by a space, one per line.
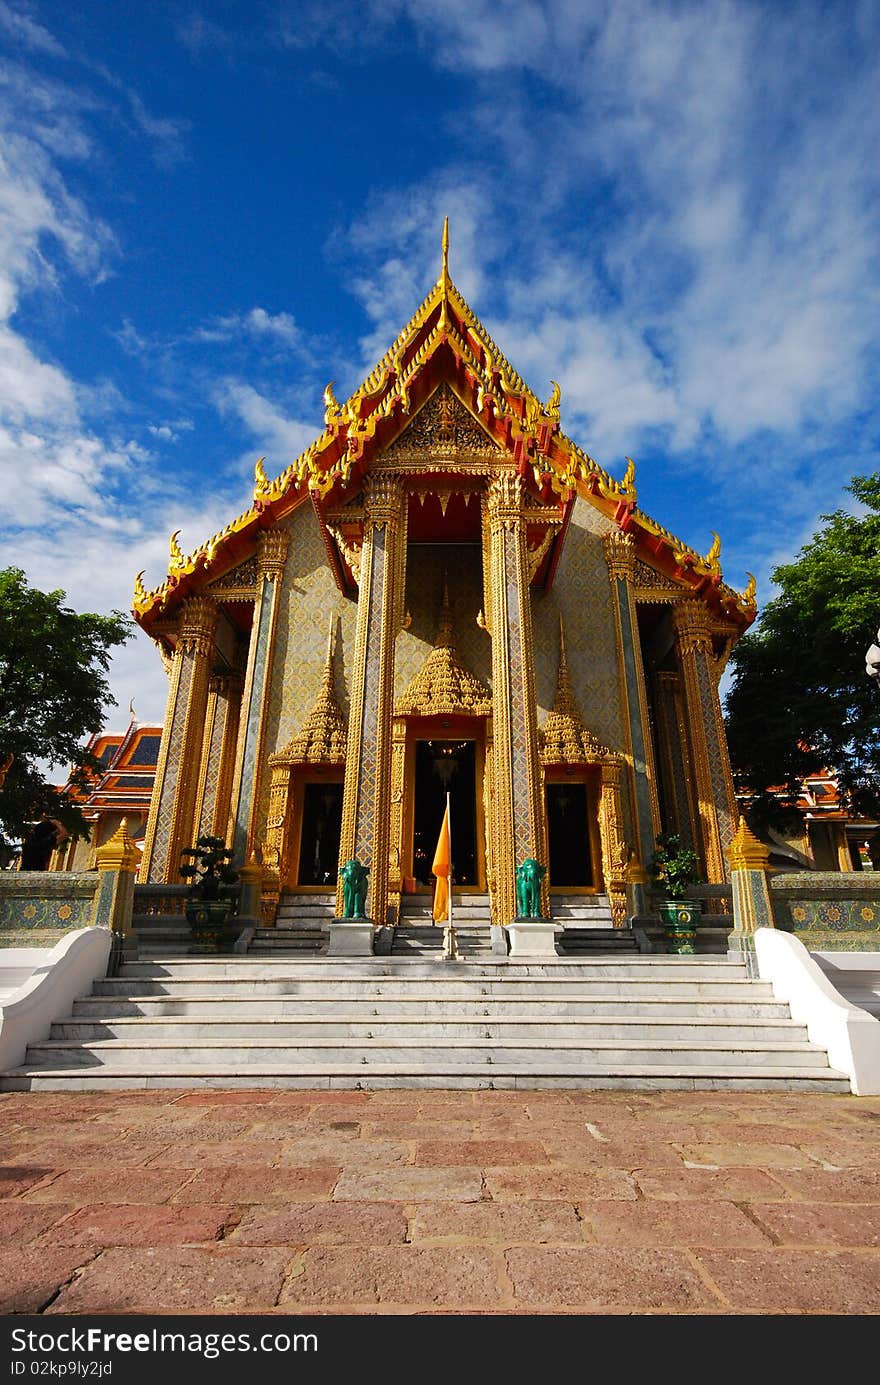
pixel 309 597
pixel 37 908
pixel 581 593
pixel 426 566
pixel 829 911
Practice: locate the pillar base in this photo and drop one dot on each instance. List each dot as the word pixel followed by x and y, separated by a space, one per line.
pixel 741 948
pixel 351 938
pixel 532 937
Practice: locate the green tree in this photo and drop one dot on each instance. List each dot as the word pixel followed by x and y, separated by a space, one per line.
pixel 53 692
pixel 800 700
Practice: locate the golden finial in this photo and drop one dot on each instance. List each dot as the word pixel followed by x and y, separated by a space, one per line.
pixel 748 595
pixel 628 484
pixel 712 557
pixel 178 557
pixel 140 591
pixel 444 275
pixel 261 480
pixel 551 408
pixel 131 710
pixel 331 406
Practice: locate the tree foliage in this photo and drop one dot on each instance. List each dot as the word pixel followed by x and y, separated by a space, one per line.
pixel 800 700
pixel 53 691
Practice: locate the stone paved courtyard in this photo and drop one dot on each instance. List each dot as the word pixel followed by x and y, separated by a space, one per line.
pixel 439 1202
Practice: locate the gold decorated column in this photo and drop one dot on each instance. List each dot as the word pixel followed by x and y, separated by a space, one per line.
pixel 366 807
pixel 250 754
pixel 171 824
pixel 673 756
pixel 218 750
pixel 620 556
pixel 716 804
pixel 517 798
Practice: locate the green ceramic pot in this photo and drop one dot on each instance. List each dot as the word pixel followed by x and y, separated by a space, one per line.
pixel 680 920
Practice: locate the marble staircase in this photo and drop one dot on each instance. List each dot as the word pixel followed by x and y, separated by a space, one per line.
pixel 641 1022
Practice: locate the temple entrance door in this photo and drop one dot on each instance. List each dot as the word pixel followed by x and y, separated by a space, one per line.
pixel 572 835
pixel 318 805
pixel 441 763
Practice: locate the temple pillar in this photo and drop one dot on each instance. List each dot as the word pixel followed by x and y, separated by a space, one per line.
pixel 620 557
pixel 366 804
pixel 518 807
pixel 171 824
pixel 716 804
pixel 250 753
pixel 672 750
pixel 218 748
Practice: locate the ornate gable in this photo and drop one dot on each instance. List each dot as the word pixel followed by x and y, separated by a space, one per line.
pixel 443 431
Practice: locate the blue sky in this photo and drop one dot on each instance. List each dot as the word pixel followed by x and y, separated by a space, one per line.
pixel 208 212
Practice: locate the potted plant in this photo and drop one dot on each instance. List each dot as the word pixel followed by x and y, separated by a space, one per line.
pixel 211 894
pixel 675 869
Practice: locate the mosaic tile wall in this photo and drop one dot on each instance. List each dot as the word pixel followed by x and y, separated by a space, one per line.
pixel 41 903
pixel 309 597
pixel 582 593
pixel 829 912
pixel 426 565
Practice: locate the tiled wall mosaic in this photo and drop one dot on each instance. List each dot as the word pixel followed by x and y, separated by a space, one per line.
pixel 34 902
pixel 309 598
pixel 830 912
pixel 582 594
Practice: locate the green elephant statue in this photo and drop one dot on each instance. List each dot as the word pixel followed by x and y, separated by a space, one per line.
pixel 528 888
pixel 354 889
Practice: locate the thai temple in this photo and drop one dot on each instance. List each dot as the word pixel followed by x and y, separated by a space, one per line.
pixel 444 594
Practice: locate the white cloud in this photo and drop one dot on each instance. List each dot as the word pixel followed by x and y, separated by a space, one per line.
pixel 257 322
pixel 276 435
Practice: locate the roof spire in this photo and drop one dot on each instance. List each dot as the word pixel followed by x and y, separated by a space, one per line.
pixel 445 244
pixel 444 281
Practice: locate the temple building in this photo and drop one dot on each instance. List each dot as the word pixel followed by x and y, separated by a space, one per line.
pixel 443 593
pixel 120 790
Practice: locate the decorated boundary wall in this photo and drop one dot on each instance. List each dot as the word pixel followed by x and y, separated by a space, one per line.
pixel 829 911
pixel 37 908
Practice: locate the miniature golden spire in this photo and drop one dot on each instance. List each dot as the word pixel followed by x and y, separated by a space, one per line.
pixel 628 484
pixel 551 408
pixel 261 480
pixel 444 638
pixel 178 558
pixel 444 276
pixel 564 739
pixel 140 591
pixel 712 557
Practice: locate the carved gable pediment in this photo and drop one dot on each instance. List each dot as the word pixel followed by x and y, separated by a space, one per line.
pixel 653 585
pixel 445 431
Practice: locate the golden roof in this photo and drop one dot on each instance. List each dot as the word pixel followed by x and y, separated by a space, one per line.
pixel 380 408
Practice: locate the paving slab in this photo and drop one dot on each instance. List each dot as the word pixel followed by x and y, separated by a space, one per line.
pixel 487 1202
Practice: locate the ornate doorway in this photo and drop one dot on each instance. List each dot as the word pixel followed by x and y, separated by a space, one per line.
pixel 441 767
pixel 321 819
pixel 573 848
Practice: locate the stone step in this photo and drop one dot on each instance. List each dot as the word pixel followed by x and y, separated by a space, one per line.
pixel 420 1007
pixel 441 1072
pixel 452 988
pixel 619 1052
pixel 416 1029
pixel 656 967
